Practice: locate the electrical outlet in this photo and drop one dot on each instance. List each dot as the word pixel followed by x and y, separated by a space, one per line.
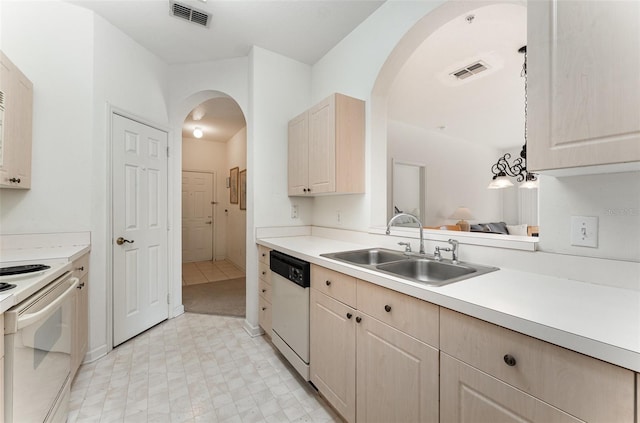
pixel 338 217
pixel 294 211
pixel 584 231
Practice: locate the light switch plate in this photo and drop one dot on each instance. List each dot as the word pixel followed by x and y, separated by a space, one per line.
pixel 294 211
pixel 584 231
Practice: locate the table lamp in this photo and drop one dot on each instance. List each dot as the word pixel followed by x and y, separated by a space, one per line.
pixel 462 213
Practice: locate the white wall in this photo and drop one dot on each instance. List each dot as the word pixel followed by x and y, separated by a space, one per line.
pixel 78 63
pixel 457 172
pixel 280 89
pixel 354 67
pixel 236 219
pixel 613 198
pixel 210 156
pixel 57 56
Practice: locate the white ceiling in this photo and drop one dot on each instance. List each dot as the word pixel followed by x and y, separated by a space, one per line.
pixel 487 108
pixel 303 30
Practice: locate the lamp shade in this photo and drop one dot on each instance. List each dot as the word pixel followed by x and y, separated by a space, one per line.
pixel 500 182
pixel 461 213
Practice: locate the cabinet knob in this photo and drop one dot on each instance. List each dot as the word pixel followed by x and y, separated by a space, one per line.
pixel 387 308
pixel 304 189
pixel 264 308
pixel 358 319
pixel 327 282
pixel 80 286
pixel 349 315
pixel 14 180
pixel 264 273
pixel 81 268
pixel 510 360
pixel 264 290
pixel 264 255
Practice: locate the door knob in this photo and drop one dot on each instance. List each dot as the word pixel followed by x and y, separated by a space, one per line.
pixel 121 241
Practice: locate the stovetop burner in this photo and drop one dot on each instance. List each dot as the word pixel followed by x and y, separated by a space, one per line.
pixel 26 268
pixel 6 286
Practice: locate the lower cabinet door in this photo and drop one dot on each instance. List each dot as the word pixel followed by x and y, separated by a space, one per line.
pixel 264 315
pixel 469 395
pixel 397 375
pixel 333 352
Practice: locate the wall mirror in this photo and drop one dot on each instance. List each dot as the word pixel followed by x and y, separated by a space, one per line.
pixel 456 106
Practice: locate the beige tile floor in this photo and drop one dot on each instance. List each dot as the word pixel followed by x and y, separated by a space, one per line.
pixel 209 271
pixel 194 368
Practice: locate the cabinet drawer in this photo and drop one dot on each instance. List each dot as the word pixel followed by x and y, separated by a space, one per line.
pixel 585 387
pixel 81 266
pixel 264 315
pixel 264 289
pixel 408 314
pixel 334 284
pixel 263 254
pixel 264 272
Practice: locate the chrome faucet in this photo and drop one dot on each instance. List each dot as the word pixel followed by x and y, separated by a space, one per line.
pixel 437 255
pixel 410 216
pixel 454 250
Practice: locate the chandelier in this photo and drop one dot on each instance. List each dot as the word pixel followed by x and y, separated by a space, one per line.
pixel 503 170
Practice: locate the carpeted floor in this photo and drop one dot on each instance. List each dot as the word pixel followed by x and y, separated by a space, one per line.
pixel 224 298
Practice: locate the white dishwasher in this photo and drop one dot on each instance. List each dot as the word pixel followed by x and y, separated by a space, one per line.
pixel 290 281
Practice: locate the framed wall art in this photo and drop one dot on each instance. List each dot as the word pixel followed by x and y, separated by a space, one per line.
pixel 233 185
pixel 243 189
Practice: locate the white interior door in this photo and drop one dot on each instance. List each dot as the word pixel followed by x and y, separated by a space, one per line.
pixel 197 216
pixel 139 200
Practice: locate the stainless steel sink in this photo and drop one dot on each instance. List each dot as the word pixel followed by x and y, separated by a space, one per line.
pixel 368 257
pixel 421 269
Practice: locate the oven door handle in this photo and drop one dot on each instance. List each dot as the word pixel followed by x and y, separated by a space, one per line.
pixel 28 319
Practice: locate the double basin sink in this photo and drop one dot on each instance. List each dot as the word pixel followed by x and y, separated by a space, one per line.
pixel 416 268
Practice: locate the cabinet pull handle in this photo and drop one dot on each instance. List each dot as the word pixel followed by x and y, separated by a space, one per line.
pixel 510 360
pixel 358 319
pixel 349 315
pixel 81 268
pixel 14 180
pixel 80 286
pixel 327 282
pixel 387 308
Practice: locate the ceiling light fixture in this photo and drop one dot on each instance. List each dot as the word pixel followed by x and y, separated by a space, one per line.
pixel 502 169
pixel 197 132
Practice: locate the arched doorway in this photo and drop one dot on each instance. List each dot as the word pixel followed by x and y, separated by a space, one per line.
pixel 213 207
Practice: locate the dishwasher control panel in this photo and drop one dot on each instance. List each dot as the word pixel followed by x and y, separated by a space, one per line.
pixel 296 270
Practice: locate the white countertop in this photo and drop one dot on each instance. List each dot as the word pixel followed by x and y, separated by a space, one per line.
pixel 44 255
pixel 596 320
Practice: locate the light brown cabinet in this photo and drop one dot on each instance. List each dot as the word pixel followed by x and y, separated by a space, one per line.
pixel 80 325
pixel 395 376
pixel 580 386
pixel 16 114
pixel 264 290
pixel 326 148
pixel 583 83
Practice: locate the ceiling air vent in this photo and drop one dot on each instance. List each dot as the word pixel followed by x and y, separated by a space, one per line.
pixel 190 14
pixel 470 70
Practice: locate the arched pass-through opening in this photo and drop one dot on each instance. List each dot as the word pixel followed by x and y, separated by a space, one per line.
pixel 403 51
pixel 211 136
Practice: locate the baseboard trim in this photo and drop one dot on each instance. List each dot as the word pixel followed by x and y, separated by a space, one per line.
pixel 253 331
pixel 95 354
pixel 177 311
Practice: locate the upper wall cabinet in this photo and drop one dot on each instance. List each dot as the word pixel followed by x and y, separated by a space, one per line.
pixel 16 108
pixel 583 62
pixel 326 148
